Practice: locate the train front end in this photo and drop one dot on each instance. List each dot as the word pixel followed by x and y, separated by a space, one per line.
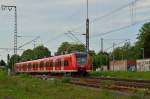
pixel 83 63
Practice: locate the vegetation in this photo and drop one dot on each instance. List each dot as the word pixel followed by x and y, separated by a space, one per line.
pixel 127 52
pixel 136 51
pixel 26 87
pixel 2 63
pixel 144 39
pixel 67 47
pixel 99 60
pixel 121 74
pixel 30 54
pixel 14 59
pixel 37 53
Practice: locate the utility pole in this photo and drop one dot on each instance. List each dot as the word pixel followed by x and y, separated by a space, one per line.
pixel 34 43
pixel 102 44
pixel 87 28
pixel 113 55
pixel 9 8
pixel 113 50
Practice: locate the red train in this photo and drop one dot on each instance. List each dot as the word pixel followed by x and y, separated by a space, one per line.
pixel 70 63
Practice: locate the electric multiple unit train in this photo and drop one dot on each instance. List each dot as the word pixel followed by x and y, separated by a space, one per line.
pixel 69 63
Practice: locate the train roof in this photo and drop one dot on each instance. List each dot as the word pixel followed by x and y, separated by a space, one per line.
pixel 55 57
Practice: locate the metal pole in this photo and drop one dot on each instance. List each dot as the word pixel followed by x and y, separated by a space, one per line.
pixel 9 8
pixel 113 55
pixel 87 28
pixel 87 9
pixel 102 45
pixel 15 32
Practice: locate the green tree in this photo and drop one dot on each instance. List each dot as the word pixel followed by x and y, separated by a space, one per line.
pixel 99 60
pixel 67 47
pixel 2 63
pixel 126 52
pixel 14 59
pixel 37 53
pixel 41 52
pixel 135 52
pixel 92 53
pixel 27 55
pixel 144 39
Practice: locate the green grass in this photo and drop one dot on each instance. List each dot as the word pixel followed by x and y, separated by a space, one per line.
pixel 26 87
pixel 121 74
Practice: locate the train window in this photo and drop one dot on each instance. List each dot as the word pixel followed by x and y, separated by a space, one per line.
pixel 41 64
pixel 58 63
pixel 66 63
pixel 29 66
pixel 24 66
pixel 44 64
pixel 47 64
pixel 36 65
pixel 81 58
pixel 51 64
pixel 19 67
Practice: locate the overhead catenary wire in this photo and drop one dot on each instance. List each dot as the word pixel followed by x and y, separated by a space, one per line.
pixel 115 45
pixel 109 13
pixel 29 42
pixel 55 38
pixel 77 38
pixel 104 16
pixel 119 29
pixel 10 49
pixel 68 34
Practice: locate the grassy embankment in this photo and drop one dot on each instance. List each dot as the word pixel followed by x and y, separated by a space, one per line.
pixel 121 74
pixel 25 87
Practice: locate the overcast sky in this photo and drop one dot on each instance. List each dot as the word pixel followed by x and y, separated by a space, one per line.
pixel 51 19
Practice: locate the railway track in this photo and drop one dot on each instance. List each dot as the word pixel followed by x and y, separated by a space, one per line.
pixel 123 85
pixel 113 83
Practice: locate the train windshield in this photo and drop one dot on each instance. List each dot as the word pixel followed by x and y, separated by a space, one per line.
pixel 81 58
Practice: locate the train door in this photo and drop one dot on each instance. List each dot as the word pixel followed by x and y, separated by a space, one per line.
pixel 53 65
pixel 58 65
pixel 62 64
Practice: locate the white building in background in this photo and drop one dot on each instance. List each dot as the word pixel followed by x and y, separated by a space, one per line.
pixel 143 65
pixel 123 65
